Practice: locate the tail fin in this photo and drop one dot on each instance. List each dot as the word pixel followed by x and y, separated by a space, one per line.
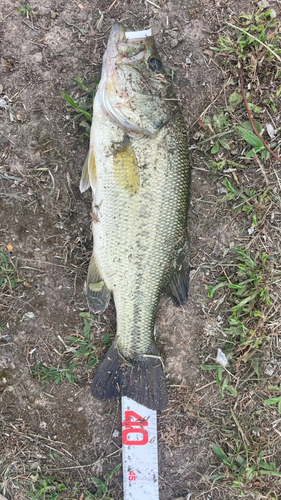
pixel 141 379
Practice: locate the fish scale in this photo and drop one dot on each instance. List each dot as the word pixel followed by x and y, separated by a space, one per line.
pixel 132 234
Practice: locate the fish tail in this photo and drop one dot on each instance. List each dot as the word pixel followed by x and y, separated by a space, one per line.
pixel 141 379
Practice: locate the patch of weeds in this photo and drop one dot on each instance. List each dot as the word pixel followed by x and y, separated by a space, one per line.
pixel 102 486
pixel 222 137
pixel 245 130
pixel 26 10
pixel 8 274
pixel 80 356
pixel 225 165
pixel 243 469
pixel 249 293
pixel 30 14
pixel 50 488
pixel 219 127
pixel 83 345
pixel 223 378
pixel 255 41
pixel 277 400
pixel 45 373
pixel 240 197
pixel 246 292
pixel 255 32
pixel 247 200
pixel 84 105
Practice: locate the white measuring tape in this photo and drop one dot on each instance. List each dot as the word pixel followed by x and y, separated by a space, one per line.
pixel 140 456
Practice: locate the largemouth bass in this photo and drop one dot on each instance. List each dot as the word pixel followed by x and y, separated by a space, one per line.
pixel 139 173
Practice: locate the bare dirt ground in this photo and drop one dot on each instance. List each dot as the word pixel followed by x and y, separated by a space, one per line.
pixel 54 436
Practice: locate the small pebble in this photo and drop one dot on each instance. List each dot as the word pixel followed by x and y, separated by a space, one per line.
pixel 269 370
pixel 28 315
pixel 221 358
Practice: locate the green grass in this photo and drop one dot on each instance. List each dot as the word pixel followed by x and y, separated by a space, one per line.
pixel 254 29
pixel 243 468
pixel 8 274
pixel 255 41
pixel 80 354
pixel 223 132
pixel 47 489
pixel 56 375
pixel 250 298
pixel 26 10
pixel 244 282
pixel 274 401
pixel 50 488
pixel 84 106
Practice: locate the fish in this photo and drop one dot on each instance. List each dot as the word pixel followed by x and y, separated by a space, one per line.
pixel 139 171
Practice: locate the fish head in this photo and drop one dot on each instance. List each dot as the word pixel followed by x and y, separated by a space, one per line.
pixel 133 87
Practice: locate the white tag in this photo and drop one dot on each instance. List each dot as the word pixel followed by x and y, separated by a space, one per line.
pixel 137 34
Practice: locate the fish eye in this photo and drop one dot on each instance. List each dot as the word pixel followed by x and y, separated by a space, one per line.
pixel 155 64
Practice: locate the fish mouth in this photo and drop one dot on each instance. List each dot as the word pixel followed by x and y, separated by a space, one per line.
pixel 127 46
pixel 121 49
pixel 117 35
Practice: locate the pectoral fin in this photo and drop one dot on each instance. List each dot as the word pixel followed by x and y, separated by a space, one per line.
pixel 89 175
pixel 179 282
pixel 98 295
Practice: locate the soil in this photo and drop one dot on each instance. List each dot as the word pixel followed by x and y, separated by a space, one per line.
pixel 60 429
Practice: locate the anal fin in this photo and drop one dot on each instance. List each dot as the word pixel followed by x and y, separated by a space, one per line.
pixel 98 295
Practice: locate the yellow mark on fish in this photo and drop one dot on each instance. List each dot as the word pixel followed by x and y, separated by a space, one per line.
pixel 96 287
pixel 126 170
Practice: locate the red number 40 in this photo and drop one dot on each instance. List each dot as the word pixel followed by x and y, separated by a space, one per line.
pixel 134 427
